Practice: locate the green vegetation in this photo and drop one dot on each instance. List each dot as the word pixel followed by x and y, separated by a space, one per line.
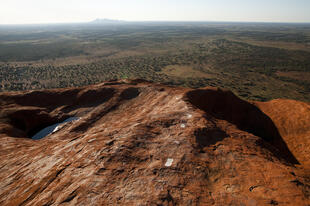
pixel 256 61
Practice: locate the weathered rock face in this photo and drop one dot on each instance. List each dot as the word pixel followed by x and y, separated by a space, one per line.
pixel 139 143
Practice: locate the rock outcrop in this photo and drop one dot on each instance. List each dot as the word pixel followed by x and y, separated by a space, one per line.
pixel 139 143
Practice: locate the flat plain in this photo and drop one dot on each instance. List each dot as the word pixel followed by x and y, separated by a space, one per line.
pixel 257 61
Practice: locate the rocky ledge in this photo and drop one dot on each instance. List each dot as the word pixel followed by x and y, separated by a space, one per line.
pixel 139 143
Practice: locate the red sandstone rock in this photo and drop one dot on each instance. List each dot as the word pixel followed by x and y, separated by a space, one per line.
pixel 139 143
pixel 292 120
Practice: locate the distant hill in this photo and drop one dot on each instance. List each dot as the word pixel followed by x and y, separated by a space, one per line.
pixel 107 21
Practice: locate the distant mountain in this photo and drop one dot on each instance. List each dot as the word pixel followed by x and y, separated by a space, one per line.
pixel 107 21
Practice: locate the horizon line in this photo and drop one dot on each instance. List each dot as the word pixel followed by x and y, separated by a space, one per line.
pixel 117 21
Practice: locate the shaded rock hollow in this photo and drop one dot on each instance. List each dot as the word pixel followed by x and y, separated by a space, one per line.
pixel 139 143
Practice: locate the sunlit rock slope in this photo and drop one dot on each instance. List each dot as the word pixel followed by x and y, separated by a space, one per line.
pixel 139 143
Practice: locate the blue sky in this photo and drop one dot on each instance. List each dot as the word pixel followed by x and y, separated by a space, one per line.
pixel 53 11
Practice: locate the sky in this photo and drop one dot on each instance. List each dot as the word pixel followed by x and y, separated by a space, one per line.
pixel 63 11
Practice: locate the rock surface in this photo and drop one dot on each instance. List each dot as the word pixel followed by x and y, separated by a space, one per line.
pixel 139 143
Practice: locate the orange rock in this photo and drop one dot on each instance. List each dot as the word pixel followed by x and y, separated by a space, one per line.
pixel 292 119
pixel 139 143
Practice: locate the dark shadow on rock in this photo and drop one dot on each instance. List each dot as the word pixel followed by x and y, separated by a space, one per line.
pixel 29 120
pixel 33 110
pixel 206 136
pixel 90 98
pixel 49 99
pixel 246 116
pixel 130 93
pixel 93 97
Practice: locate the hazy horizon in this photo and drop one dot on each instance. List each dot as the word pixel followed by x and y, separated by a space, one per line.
pixel 123 22
pixel 78 11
